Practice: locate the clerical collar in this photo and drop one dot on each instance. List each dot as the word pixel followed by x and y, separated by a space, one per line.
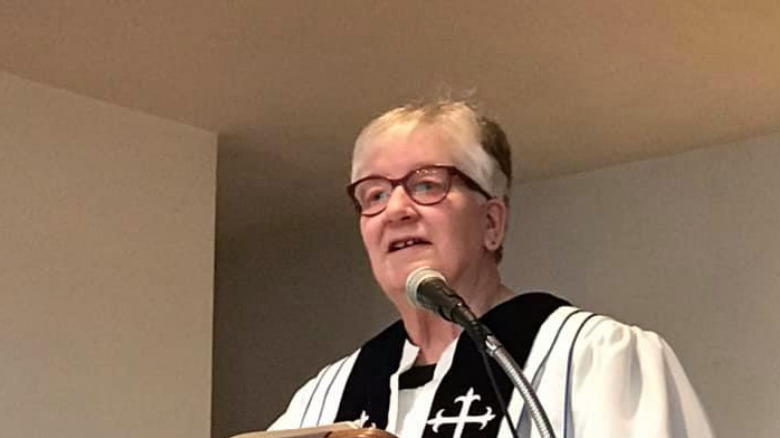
pixel 416 376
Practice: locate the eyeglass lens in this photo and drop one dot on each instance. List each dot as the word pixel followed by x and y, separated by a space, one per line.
pixel 424 186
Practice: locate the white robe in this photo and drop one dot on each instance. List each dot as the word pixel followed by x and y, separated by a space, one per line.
pixel 622 382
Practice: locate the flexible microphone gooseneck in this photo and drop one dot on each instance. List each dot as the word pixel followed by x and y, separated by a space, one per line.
pixel 427 289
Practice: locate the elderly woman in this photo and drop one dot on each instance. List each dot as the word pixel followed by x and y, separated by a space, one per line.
pixel 431 187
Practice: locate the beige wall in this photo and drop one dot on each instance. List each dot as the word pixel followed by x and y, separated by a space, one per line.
pixel 688 246
pixel 106 269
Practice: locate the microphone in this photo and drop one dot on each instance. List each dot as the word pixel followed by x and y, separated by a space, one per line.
pixel 427 288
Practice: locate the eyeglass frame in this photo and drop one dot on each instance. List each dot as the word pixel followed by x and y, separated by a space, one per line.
pixel 451 171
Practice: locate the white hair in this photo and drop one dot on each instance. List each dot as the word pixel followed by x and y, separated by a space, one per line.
pixel 456 120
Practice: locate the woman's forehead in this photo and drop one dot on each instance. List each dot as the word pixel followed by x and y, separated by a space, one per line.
pixel 395 154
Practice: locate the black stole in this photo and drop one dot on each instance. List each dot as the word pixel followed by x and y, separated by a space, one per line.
pixel 515 323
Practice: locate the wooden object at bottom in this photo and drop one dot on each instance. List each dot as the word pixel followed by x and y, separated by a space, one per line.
pixel 368 432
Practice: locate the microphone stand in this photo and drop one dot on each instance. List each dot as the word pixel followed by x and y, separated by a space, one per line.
pixel 435 295
pixel 485 340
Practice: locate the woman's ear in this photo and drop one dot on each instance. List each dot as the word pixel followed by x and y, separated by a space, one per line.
pixel 496 213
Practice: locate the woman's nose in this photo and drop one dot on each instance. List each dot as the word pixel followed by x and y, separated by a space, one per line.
pixel 400 206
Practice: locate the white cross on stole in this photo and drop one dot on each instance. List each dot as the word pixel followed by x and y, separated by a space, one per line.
pixel 463 417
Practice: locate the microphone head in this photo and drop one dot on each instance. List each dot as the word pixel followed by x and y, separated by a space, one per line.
pixel 417 277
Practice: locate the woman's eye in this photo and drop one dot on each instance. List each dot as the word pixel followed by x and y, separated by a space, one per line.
pixel 374 196
pixel 426 186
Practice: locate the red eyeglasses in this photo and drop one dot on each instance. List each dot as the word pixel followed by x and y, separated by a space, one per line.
pixel 427 185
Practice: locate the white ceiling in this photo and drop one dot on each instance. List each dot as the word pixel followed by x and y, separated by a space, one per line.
pixel 577 84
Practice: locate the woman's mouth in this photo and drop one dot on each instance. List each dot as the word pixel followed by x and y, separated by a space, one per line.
pixel 398 245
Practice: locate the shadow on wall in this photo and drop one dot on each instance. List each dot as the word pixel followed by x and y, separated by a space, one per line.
pixel 294 291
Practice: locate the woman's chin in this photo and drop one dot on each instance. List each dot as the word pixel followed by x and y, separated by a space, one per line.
pixel 391 274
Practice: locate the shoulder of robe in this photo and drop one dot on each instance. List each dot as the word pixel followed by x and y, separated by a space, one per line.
pixel 632 377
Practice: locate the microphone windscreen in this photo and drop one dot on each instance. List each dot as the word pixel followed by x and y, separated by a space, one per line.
pixel 417 277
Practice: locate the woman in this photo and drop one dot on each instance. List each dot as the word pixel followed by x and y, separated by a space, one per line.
pixel 431 186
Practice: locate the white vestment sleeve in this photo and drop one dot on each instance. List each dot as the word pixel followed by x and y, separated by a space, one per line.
pixel 291 418
pixel 317 402
pixel 627 382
